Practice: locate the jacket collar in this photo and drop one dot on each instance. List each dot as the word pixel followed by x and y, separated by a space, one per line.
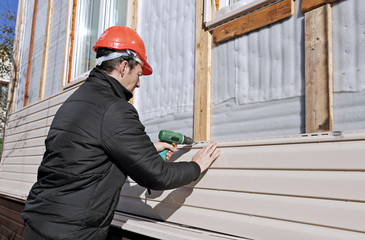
pixel 118 88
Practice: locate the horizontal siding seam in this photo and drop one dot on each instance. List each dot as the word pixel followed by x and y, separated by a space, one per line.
pixel 253 215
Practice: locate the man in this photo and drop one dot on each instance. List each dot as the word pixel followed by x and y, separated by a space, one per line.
pixel 95 141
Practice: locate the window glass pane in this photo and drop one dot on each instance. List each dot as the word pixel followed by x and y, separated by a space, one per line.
pixel 86 31
pixel 233 1
pixel 117 13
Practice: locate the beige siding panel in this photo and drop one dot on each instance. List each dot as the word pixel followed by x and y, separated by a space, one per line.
pixel 324 212
pixel 290 191
pixel 165 231
pixel 29 110
pixel 52 110
pixel 249 226
pixel 61 97
pixel 21 177
pixel 36 116
pixel 34 151
pixel 323 184
pixel 15 189
pixel 35 142
pixel 31 160
pixel 15 168
pixel 38 110
pixel 24 144
pixel 26 135
pixel 333 156
pixel 27 127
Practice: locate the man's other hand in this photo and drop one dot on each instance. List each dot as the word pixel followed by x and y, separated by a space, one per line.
pixel 206 156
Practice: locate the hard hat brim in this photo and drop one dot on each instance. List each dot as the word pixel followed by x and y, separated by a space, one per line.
pixel 146 69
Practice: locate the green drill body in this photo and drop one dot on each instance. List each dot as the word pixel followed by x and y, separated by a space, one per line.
pixel 172 138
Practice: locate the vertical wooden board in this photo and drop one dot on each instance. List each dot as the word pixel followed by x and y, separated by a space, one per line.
pixel 72 37
pixel 202 86
pixel 30 56
pixel 318 70
pixel 45 50
pixel 132 22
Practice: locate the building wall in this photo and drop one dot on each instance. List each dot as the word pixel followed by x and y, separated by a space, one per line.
pixel 268 188
pixel 258 82
pixel 258 188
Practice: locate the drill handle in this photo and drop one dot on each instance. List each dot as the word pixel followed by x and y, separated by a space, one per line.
pixel 163 153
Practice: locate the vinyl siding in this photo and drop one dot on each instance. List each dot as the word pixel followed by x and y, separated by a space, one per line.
pixel 24 147
pixel 268 191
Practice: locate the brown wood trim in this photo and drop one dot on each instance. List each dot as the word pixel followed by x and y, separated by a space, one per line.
pixel 318 70
pixel 30 56
pixel 4 82
pixel 134 15
pixel 45 50
pixel 12 85
pixel 72 36
pixel 217 5
pixel 202 93
pixel 308 5
pixel 255 20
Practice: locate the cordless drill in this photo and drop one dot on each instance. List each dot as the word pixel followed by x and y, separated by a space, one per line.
pixel 172 138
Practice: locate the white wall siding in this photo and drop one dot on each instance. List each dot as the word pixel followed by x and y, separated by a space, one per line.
pixel 349 64
pixel 262 71
pixel 273 118
pixel 168 30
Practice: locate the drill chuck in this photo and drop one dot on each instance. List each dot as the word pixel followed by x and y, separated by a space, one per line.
pixel 174 137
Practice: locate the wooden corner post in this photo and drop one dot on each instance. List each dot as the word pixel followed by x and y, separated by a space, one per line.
pixel 202 88
pixel 318 70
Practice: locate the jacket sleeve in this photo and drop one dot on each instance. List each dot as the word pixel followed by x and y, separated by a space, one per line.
pixel 130 148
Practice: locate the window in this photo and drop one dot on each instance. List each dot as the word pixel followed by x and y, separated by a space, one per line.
pixel 92 18
pixel 228 19
pixel 226 10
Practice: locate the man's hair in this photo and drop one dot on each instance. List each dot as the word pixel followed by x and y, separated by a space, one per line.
pixel 110 65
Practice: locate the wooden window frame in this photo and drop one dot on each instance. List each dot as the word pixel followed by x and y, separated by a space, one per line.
pixel 71 79
pixel 308 5
pixel 256 15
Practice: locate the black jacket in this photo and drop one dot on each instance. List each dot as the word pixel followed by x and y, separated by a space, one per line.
pixel 95 141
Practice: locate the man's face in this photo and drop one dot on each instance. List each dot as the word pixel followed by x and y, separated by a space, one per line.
pixel 130 79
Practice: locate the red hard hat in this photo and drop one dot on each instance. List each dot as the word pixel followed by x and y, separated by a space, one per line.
pixel 122 38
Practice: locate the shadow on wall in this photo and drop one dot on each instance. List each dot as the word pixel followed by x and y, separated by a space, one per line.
pixel 166 207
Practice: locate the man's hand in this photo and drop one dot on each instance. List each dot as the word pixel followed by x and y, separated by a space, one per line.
pixel 160 146
pixel 206 156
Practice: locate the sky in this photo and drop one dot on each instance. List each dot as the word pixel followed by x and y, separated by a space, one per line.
pixel 8 5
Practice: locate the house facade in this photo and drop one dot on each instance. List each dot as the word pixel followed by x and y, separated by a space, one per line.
pixel 278 83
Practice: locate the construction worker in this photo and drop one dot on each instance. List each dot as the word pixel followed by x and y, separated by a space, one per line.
pixel 95 141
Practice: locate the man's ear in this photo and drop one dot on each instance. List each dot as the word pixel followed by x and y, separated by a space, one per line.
pixel 123 67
